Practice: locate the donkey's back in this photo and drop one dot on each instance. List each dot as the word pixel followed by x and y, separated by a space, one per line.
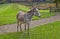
pixel 20 16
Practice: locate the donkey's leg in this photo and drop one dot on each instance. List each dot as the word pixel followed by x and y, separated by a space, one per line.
pixel 25 27
pixel 20 27
pixel 17 26
pixel 28 29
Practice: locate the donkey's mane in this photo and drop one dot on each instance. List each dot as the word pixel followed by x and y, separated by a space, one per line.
pixel 30 10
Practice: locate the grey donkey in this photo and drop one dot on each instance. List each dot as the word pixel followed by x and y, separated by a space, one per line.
pixel 25 18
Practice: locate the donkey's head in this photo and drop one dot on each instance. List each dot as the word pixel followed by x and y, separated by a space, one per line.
pixel 36 11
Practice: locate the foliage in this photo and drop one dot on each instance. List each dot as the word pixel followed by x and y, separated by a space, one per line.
pixel 58 1
pixel 3 1
pixel 46 31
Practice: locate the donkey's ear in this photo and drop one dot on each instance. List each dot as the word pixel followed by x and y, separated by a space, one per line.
pixel 31 7
pixel 35 7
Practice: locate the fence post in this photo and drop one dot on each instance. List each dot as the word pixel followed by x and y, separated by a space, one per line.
pixel 50 9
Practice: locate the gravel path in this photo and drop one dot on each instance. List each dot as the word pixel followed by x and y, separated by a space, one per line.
pixel 12 27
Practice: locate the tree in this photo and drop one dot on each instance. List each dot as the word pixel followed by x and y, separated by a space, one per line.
pixel 57 4
pixel 58 1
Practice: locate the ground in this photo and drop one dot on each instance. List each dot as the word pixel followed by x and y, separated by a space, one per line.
pixel 46 28
pixel 46 31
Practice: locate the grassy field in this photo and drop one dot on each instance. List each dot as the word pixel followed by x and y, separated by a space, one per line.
pixel 46 31
pixel 8 13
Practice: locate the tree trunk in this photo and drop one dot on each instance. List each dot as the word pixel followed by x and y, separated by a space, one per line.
pixel 56 1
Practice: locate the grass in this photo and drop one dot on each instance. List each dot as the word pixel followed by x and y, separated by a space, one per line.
pixel 8 13
pixel 46 31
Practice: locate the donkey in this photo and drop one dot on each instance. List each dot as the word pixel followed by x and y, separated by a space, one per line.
pixel 25 18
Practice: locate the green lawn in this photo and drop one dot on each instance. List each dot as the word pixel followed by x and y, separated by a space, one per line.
pixel 8 13
pixel 46 31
